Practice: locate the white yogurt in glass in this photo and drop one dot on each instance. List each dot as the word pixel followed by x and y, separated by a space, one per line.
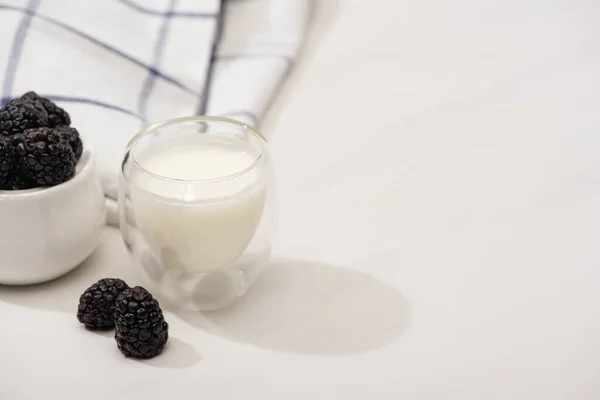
pixel 198 205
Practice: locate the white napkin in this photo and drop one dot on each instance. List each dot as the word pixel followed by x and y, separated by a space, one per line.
pixel 118 65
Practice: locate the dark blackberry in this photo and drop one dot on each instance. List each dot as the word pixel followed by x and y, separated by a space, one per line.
pixel 71 135
pixel 7 160
pixel 17 181
pixel 20 114
pixel 45 156
pixel 97 304
pixel 56 115
pixel 141 329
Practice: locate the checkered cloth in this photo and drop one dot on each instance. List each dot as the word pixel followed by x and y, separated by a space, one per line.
pixel 117 65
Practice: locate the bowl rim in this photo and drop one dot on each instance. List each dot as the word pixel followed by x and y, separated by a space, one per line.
pixel 83 173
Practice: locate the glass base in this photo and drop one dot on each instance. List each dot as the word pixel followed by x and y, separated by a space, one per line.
pixel 198 291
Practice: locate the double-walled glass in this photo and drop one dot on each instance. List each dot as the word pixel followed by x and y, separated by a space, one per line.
pixel 196 209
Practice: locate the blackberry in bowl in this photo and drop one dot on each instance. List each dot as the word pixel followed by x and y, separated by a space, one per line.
pixel 51 199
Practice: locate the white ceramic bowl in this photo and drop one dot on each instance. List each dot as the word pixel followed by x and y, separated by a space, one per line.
pixel 47 232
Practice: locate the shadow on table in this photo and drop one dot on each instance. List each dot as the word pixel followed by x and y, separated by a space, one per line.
pixel 62 294
pixel 176 354
pixel 305 307
pixel 297 306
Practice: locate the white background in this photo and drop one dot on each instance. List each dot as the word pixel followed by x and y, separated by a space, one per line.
pixel 438 173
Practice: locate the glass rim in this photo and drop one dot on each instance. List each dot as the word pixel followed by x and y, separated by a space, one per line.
pixel 196 118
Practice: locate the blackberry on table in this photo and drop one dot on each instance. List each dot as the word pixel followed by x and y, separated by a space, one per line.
pixel 56 115
pixel 20 114
pixel 141 329
pixel 44 156
pixel 71 135
pixel 97 304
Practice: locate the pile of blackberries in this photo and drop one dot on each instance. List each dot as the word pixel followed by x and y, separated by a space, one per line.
pixel 140 327
pixel 38 146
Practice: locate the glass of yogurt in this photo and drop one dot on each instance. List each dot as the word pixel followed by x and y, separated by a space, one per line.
pixel 196 209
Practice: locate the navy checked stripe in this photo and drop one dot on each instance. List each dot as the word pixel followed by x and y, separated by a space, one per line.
pixel 205 95
pixel 156 57
pixel 83 100
pixel 103 45
pixel 15 52
pixel 170 13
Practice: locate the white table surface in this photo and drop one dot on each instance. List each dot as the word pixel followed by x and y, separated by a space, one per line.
pixel 439 184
